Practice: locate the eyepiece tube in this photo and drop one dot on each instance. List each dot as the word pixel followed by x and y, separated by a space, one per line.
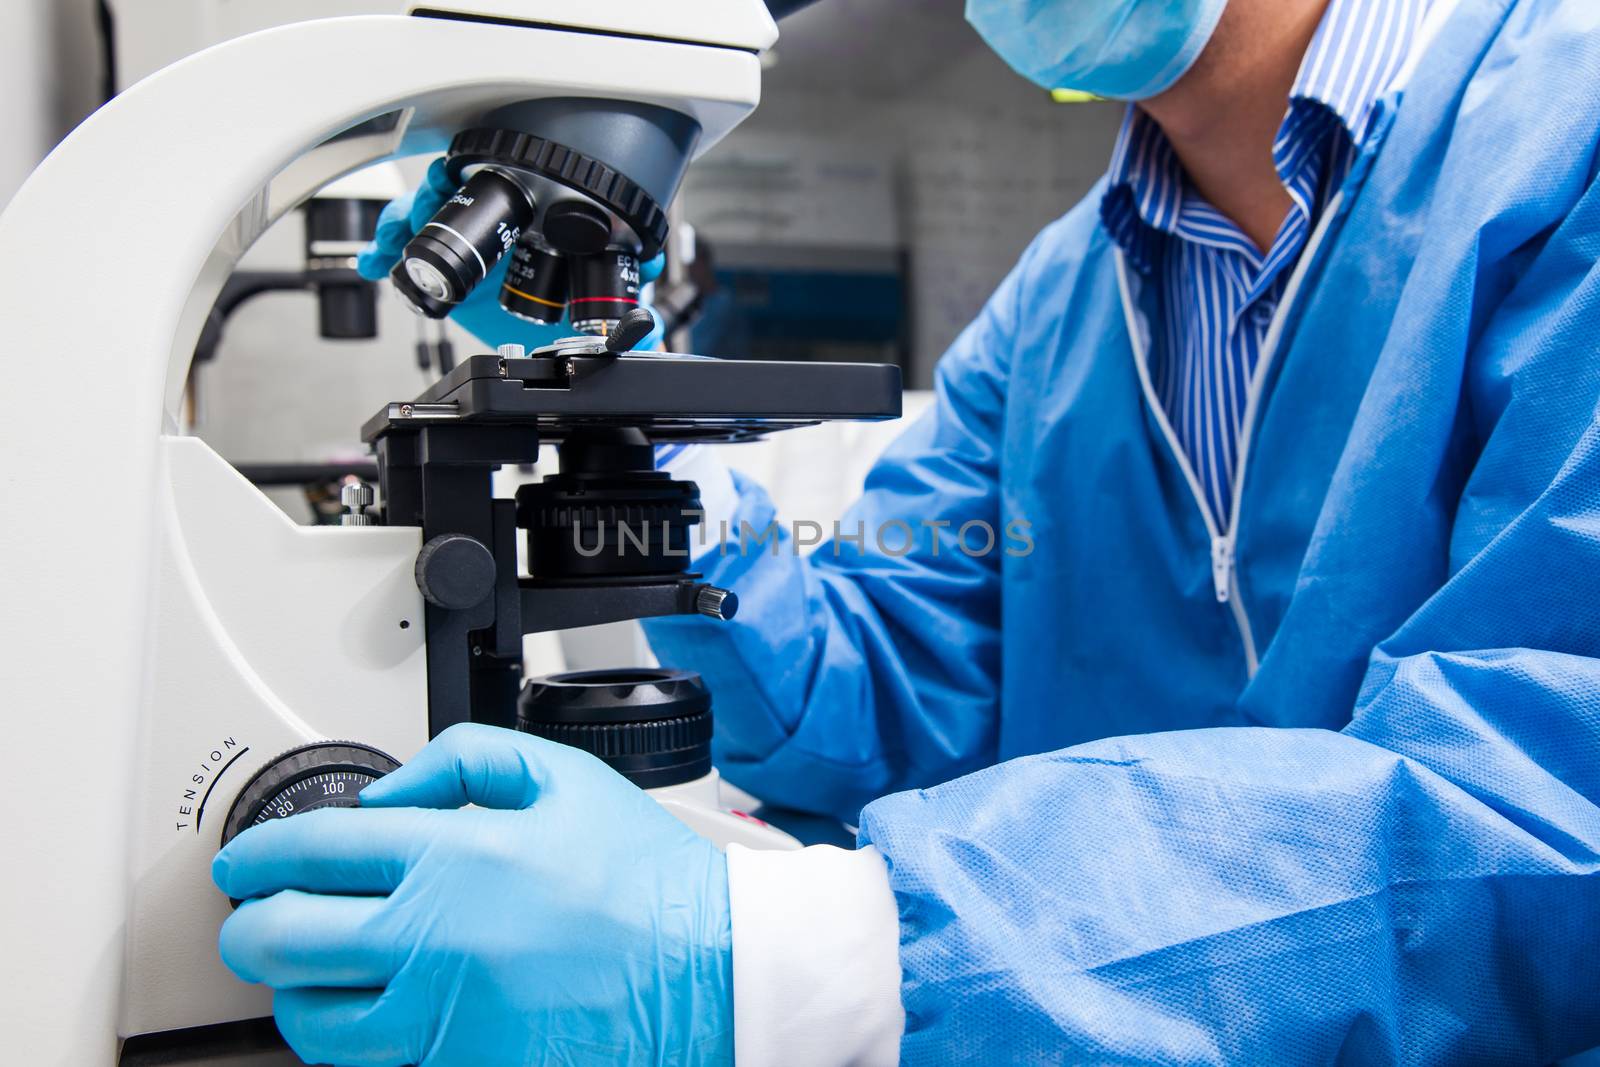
pixel 458 248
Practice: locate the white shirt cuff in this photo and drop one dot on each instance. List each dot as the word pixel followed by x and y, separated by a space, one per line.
pixel 816 958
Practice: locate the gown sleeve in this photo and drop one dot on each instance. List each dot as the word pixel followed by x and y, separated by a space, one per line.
pixel 873 666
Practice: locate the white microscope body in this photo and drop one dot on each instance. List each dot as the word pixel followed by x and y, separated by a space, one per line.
pixel 164 630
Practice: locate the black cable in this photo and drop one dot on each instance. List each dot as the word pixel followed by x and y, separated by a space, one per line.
pixel 106 24
pixel 782 9
pixel 276 474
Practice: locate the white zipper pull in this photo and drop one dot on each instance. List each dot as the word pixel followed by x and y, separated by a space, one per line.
pixel 1222 567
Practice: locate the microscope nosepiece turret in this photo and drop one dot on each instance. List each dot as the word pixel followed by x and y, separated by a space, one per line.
pixel 574 189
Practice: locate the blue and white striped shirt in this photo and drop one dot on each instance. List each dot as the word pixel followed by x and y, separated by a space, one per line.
pixel 1218 291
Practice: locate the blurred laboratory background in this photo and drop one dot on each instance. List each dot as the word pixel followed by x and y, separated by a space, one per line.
pixel 893 174
pixel 895 170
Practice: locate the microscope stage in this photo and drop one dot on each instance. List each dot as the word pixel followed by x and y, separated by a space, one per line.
pixel 669 398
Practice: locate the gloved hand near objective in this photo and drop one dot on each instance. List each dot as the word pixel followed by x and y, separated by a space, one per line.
pixel 480 312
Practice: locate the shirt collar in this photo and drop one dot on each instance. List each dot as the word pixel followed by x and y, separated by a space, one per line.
pixel 1145 191
pixel 1359 48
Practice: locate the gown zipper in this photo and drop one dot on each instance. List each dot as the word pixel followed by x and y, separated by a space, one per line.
pixel 1224 560
pixel 1224 541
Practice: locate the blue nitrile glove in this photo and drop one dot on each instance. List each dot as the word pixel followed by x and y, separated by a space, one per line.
pixel 566 919
pixel 480 314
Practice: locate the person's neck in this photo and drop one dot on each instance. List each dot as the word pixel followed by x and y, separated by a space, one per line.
pixel 1224 114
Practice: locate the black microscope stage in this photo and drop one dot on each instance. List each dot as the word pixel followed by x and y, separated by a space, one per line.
pixel 669 398
pixel 436 455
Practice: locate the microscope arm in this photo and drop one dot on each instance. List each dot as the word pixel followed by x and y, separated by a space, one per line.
pixel 112 266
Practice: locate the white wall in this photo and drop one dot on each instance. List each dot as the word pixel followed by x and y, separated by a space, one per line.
pixel 983 160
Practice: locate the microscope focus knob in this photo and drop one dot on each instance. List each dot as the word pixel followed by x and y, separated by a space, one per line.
pixel 328 774
pixel 356 495
pixel 455 572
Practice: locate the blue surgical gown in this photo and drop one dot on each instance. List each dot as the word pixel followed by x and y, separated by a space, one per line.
pixel 1114 841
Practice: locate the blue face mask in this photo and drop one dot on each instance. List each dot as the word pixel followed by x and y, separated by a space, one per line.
pixel 1124 49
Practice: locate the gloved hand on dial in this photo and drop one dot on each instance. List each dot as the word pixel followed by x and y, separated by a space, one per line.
pixel 565 918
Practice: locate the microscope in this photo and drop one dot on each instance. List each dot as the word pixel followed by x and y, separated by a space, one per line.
pixel 180 661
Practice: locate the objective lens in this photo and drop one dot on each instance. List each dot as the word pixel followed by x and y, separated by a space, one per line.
pixel 460 246
pixel 604 288
pixel 536 284
pixel 428 279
